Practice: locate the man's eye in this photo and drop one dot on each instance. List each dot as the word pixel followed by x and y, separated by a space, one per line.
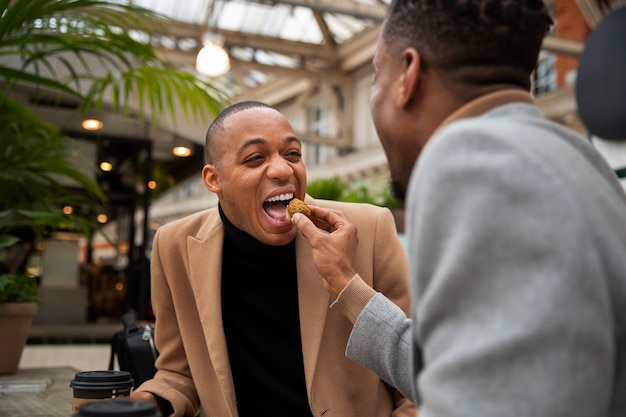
pixel 293 156
pixel 253 158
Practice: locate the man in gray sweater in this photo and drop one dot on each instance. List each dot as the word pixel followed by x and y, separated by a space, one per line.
pixel 516 227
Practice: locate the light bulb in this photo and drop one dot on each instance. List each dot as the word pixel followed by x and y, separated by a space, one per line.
pixel 181 151
pixel 212 59
pixel 91 124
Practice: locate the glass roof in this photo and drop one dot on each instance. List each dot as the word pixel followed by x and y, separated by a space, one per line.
pixel 253 30
pixel 291 20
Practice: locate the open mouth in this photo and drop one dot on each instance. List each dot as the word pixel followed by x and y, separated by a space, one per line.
pixel 276 207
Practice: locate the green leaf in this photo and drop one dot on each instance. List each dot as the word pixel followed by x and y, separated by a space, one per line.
pixel 19 287
pixel 84 49
pixel 7 240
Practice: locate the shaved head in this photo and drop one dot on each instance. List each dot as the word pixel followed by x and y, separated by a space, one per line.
pixel 215 132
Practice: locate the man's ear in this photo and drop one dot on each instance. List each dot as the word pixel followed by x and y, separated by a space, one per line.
pixel 409 77
pixel 211 179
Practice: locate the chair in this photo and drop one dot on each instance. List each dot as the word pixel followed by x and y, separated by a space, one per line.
pixel 601 80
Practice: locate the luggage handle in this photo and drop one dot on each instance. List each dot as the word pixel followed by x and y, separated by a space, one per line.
pixel 147 335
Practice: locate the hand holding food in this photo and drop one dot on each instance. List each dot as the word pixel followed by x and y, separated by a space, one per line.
pixel 331 236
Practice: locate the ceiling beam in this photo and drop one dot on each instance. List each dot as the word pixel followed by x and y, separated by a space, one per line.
pixel 273 44
pixel 348 51
pixel 184 59
pixel 375 12
pixel 181 31
pixel 563 46
pixel 278 70
pixel 359 51
pixel 279 90
pixel 329 41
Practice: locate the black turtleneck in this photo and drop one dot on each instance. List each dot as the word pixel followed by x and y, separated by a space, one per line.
pixel 262 325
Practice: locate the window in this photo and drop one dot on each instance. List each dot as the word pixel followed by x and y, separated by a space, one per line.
pixel 544 77
pixel 320 123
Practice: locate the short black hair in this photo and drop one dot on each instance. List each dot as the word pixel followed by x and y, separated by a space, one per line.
pixel 473 41
pixel 217 125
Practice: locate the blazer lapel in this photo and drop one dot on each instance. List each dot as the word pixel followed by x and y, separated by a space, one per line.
pixel 205 275
pixel 205 270
pixel 314 303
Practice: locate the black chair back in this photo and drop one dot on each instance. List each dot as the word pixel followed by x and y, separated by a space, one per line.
pixel 601 79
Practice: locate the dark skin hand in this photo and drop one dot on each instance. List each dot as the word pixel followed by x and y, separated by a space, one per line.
pixel 333 240
pixel 143 396
pixel 149 397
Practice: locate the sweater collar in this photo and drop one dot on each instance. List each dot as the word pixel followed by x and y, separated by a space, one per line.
pixel 487 102
pixel 246 244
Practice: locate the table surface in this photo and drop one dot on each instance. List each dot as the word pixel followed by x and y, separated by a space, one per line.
pixel 37 392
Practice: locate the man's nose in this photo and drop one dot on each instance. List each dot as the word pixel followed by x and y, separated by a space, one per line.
pixel 279 168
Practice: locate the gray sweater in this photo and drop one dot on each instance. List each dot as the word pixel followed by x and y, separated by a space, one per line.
pixel 516 233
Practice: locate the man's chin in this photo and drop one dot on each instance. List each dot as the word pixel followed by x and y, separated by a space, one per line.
pixel 280 238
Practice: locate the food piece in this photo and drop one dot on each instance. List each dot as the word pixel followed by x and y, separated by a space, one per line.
pixel 297 206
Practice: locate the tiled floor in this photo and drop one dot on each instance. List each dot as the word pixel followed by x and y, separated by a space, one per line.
pixel 80 357
pixel 84 347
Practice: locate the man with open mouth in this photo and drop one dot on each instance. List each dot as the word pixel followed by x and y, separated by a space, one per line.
pixel 243 324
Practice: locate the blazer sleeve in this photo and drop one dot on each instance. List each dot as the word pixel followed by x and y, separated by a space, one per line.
pixel 172 381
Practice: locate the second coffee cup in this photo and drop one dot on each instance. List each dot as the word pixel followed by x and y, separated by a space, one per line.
pixel 99 385
pixel 118 408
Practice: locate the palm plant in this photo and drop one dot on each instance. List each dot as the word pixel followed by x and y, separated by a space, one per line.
pixel 60 47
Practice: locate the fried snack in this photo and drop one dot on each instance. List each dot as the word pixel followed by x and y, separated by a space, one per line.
pixel 297 206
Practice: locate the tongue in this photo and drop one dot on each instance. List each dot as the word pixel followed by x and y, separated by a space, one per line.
pixel 276 210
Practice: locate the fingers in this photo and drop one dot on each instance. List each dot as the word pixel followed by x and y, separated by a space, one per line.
pixel 329 216
pixel 333 241
pixel 305 225
pixel 324 219
pixel 143 396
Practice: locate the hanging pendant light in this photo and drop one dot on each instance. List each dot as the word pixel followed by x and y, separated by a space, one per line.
pixel 181 147
pixel 212 59
pixel 91 124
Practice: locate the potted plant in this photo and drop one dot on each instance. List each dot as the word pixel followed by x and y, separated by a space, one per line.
pixel 30 211
pixel 44 44
pixel 19 297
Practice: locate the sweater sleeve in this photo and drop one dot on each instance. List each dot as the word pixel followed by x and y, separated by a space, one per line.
pixel 381 342
pixel 380 338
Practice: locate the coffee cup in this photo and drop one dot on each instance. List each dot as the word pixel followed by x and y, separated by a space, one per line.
pixel 118 408
pixel 92 386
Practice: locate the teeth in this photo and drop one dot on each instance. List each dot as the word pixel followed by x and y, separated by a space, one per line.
pixel 282 197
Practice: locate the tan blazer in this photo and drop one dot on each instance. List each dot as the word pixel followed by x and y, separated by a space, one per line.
pixel 193 367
